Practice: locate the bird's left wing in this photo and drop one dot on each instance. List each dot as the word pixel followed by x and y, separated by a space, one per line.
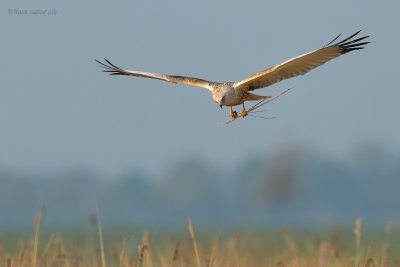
pixel 114 70
pixel 301 64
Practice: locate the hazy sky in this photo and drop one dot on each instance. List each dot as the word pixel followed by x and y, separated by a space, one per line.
pixel 58 110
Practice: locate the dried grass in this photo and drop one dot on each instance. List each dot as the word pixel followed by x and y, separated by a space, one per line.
pixel 279 249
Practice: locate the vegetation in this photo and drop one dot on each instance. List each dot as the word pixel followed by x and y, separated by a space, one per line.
pixel 254 248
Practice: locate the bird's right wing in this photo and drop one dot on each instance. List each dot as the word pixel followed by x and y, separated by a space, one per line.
pixel 114 70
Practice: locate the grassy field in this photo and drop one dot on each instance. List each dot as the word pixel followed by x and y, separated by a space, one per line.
pixel 205 248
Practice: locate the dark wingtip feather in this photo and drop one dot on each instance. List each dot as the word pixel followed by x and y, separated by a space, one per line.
pixel 348 38
pixel 110 68
pixel 350 44
pixel 333 40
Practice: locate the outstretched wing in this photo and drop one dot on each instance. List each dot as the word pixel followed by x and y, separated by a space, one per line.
pixel 301 64
pixel 114 70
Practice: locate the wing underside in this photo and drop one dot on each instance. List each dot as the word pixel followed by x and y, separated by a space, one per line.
pixel 114 70
pixel 302 64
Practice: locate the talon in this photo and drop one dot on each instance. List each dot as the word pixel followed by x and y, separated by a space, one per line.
pixel 244 112
pixel 233 113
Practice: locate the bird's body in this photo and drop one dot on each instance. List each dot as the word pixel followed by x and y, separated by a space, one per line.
pixel 237 93
pixel 226 94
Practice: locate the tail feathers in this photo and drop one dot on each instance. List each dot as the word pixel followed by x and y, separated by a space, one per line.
pixel 254 97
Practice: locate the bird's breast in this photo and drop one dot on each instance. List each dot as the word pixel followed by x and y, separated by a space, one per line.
pixel 237 98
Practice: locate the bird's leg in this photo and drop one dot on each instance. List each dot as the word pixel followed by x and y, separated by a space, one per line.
pixel 233 113
pixel 244 112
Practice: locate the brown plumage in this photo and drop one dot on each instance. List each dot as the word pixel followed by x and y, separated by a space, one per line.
pixel 236 93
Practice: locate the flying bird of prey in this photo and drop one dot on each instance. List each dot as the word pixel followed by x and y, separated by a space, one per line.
pixel 237 93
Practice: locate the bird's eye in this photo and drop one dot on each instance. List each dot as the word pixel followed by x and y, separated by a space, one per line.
pixel 223 99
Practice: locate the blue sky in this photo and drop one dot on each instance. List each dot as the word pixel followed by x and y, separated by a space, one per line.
pixel 57 110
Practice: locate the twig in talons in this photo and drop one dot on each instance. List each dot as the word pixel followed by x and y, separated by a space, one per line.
pixel 258 111
pixel 261 117
pixel 267 100
pixel 254 108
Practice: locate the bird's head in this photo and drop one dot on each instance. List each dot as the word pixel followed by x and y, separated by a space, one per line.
pixel 222 96
pixel 221 101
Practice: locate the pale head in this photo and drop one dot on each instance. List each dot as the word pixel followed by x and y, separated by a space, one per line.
pixel 224 94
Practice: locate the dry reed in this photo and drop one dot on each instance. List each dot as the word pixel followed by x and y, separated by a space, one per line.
pixel 38 223
pixel 194 241
pixel 100 232
pixel 281 249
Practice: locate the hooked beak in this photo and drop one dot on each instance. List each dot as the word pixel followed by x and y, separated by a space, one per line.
pixel 220 105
